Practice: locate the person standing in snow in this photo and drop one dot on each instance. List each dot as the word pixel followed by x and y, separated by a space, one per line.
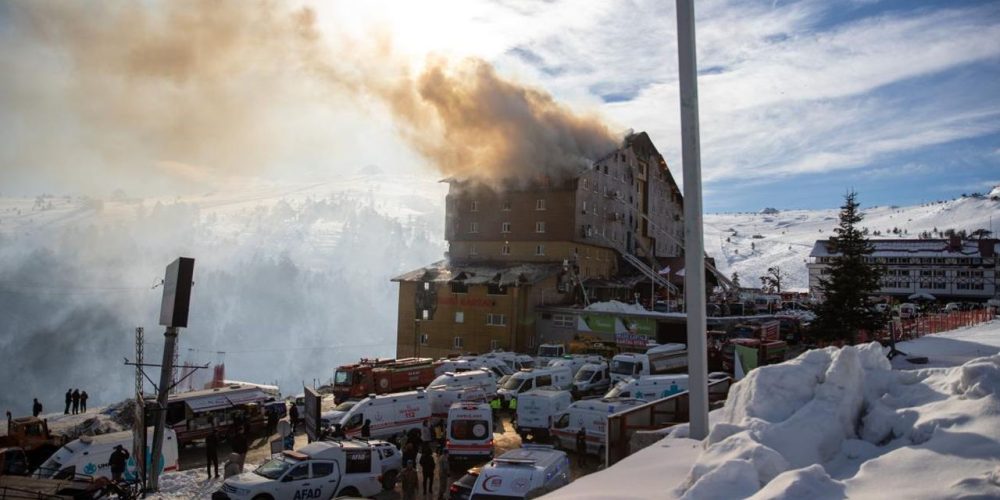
pixel 83 402
pixel 408 481
pixel 212 453
pixel 118 459
pixel 581 446
pixel 293 417
pixel 444 473
pixel 36 408
pixel 76 401
pixel 69 401
pixel 239 445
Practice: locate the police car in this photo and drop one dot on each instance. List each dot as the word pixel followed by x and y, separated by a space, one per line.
pixel 320 470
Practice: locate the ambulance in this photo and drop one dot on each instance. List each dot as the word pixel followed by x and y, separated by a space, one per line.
pixel 527 472
pixel 592 414
pixel 480 377
pixel 575 361
pixel 657 360
pixel 88 456
pixel 390 414
pixel 443 396
pixel 649 388
pixel 528 379
pixel 513 360
pixel 592 378
pixel 469 431
pixel 537 408
pixel 319 470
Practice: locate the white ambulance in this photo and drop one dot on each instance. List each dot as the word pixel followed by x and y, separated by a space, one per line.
pixel 320 470
pixel 650 387
pixel 88 456
pixel 575 361
pixel 593 378
pixel 658 360
pixel 527 472
pixel 498 367
pixel 514 360
pixel 390 414
pixel 480 377
pixel 548 352
pixel 528 379
pixel 470 431
pixel 537 408
pixel 443 396
pixel 592 414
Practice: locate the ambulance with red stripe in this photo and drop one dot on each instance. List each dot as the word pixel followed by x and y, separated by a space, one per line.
pixel 470 431
pixel 591 414
pixel 527 472
pixel 390 414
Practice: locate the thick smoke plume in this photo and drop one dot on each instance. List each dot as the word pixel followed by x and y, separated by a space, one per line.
pixel 121 88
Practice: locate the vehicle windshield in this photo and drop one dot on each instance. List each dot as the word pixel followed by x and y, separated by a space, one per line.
pixel 274 468
pixel 469 429
pixel 346 405
pixel 505 369
pixel 513 383
pixel 584 375
pixel 342 378
pixel 549 351
pixel 527 363
pixel 622 367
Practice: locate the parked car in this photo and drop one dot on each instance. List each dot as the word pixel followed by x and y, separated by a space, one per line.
pixel 462 489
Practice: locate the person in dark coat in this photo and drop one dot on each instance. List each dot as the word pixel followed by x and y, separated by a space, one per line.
pixel 408 481
pixel 36 408
pixel 69 401
pixel 409 452
pixel 366 429
pixel 76 401
pixel 427 467
pixel 240 446
pixel 212 453
pixel 117 462
pixel 83 402
pixel 293 417
pixel 581 446
pixel 272 423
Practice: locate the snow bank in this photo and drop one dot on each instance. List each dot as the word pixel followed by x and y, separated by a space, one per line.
pixel 615 307
pixel 836 422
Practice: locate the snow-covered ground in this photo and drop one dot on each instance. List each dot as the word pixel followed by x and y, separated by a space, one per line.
pixel 836 423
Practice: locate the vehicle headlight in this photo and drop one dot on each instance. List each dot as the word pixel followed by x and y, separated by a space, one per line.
pixel 235 490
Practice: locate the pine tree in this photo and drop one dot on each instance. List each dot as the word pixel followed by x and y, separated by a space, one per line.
pixel 851 280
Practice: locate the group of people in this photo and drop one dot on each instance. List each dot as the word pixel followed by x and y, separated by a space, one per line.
pixel 239 444
pixel 417 448
pixel 76 401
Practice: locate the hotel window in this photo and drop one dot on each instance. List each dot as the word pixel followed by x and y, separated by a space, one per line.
pixel 472 250
pixel 539 249
pixel 540 227
pixel 494 345
pixel 506 206
pixel 539 204
pixel 505 227
pixel 459 287
pixel 494 319
pixel 585 206
pixel 474 206
pixel 459 317
pixel 425 314
pixel 456 343
pixel 424 338
pixel 505 250
pixel 562 320
pixel 473 227
pixel 494 289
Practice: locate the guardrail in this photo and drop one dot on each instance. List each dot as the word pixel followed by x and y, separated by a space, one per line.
pixel 926 324
pixel 655 415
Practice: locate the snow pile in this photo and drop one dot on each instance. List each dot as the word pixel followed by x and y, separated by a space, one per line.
pixel 836 422
pixel 613 306
pixel 187 484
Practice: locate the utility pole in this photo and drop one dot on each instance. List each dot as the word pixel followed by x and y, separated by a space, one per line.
pixel 694 243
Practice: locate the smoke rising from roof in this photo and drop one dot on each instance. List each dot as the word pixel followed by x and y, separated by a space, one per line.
pixel 117 89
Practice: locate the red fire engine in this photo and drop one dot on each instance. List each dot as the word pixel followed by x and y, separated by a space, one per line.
pixel 381 376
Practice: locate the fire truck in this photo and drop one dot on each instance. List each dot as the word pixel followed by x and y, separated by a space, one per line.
pixel 381 376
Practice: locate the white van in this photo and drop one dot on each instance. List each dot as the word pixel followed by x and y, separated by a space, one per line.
pixel 323 469
pixel 470 431
pixel 88 456
pixel 528 379
pixel 514 360
pixel 527 472
pixel 498 367
pixel 592 414
pixel 593 378
pixel 443 396
pixel 481 377
pixel 575 361
pixel 537 408
pixel 390 414
pixel 650 387
pixel 664 358
pixel 548 352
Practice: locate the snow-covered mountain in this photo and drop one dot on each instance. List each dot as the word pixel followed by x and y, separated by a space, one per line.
pixel 291 279
pixel 750 243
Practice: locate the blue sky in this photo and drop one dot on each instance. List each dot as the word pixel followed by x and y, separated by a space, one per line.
pixel 800 101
